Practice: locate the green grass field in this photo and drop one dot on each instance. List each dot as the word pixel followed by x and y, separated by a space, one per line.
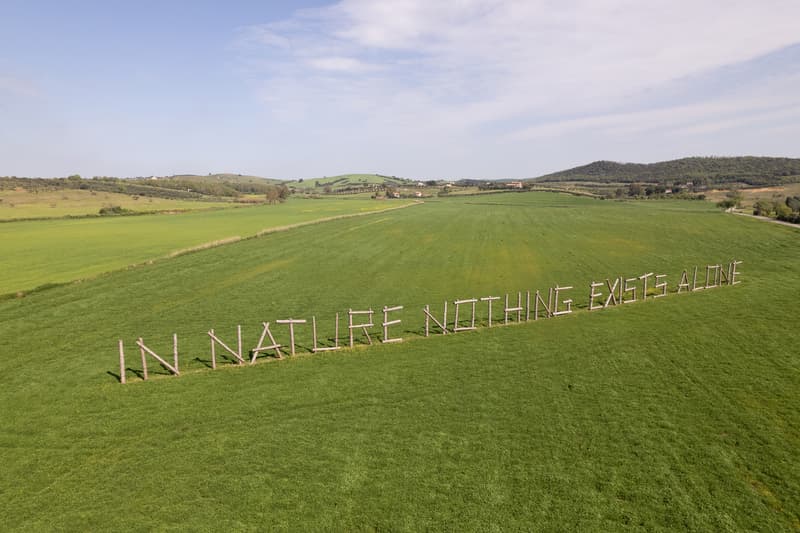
pixel 22 204
pixel 40 252
pixel 681 413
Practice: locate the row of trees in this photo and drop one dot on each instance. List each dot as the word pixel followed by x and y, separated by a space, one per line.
pixel 656 190
pixel 170 188
pixel 788 210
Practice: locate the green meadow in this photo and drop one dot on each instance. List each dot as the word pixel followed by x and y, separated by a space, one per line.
pixel 676 413
pixel 23 204
pixel 40 252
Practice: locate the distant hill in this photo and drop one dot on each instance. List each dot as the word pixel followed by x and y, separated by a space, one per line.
pixel 709 171
pixel 350 183
pixel 185 186
pixel 215 178
pixel 213 184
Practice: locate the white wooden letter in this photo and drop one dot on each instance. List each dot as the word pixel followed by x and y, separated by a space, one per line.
pixel 336 336
pixel 644 284
pixel 592 295
pixel 428 317
pixel 518 309
pixel 352 326
pixel 387 323
pixel 568 302
pixel 662 286
pixel 683 284
pixel 612 292
pixel 144 349
pixel 261 348
pixel 457 303
pixel 490 299
pixel 632 290
pixel 733 272
pixel 291 322
pixel 237 354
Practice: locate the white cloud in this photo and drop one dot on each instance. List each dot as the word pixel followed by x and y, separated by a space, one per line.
pixel 394 70
pixel 339 64
pixel 14 86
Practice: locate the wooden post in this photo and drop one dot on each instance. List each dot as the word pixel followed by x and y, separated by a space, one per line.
pixel 261 348
pixel 239 339
pixel 662 286
pixel 644 277
pixel 143 348
pixel 568 302
pixel 489 299
pixel 457 303
pixel 314 333
pixel 350 325
pixel 527 305
pixel 213 351
pixel 237 355
pixel 144 359
pixel 175 351
pixel 291 322
pixel 121 363
pixel 387 323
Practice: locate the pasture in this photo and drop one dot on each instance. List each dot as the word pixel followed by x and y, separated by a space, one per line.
pixel 676 413
pixel 40 252
pixel 18 204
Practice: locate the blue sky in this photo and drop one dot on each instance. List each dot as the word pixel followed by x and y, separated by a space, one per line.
pixel 469 88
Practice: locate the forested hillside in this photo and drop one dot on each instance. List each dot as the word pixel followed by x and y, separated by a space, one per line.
pixel 708 171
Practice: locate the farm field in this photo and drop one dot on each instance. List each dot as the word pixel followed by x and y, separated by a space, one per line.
pixel 40 252
pixel 22 204
pixel 752 195
pixel 678 413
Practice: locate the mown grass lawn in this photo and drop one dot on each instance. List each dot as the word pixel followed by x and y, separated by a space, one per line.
pixel 41 252
pixel 676 413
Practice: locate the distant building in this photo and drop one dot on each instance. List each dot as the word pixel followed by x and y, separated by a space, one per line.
pixel 418 194
pixel 515 184
pixel 420 184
